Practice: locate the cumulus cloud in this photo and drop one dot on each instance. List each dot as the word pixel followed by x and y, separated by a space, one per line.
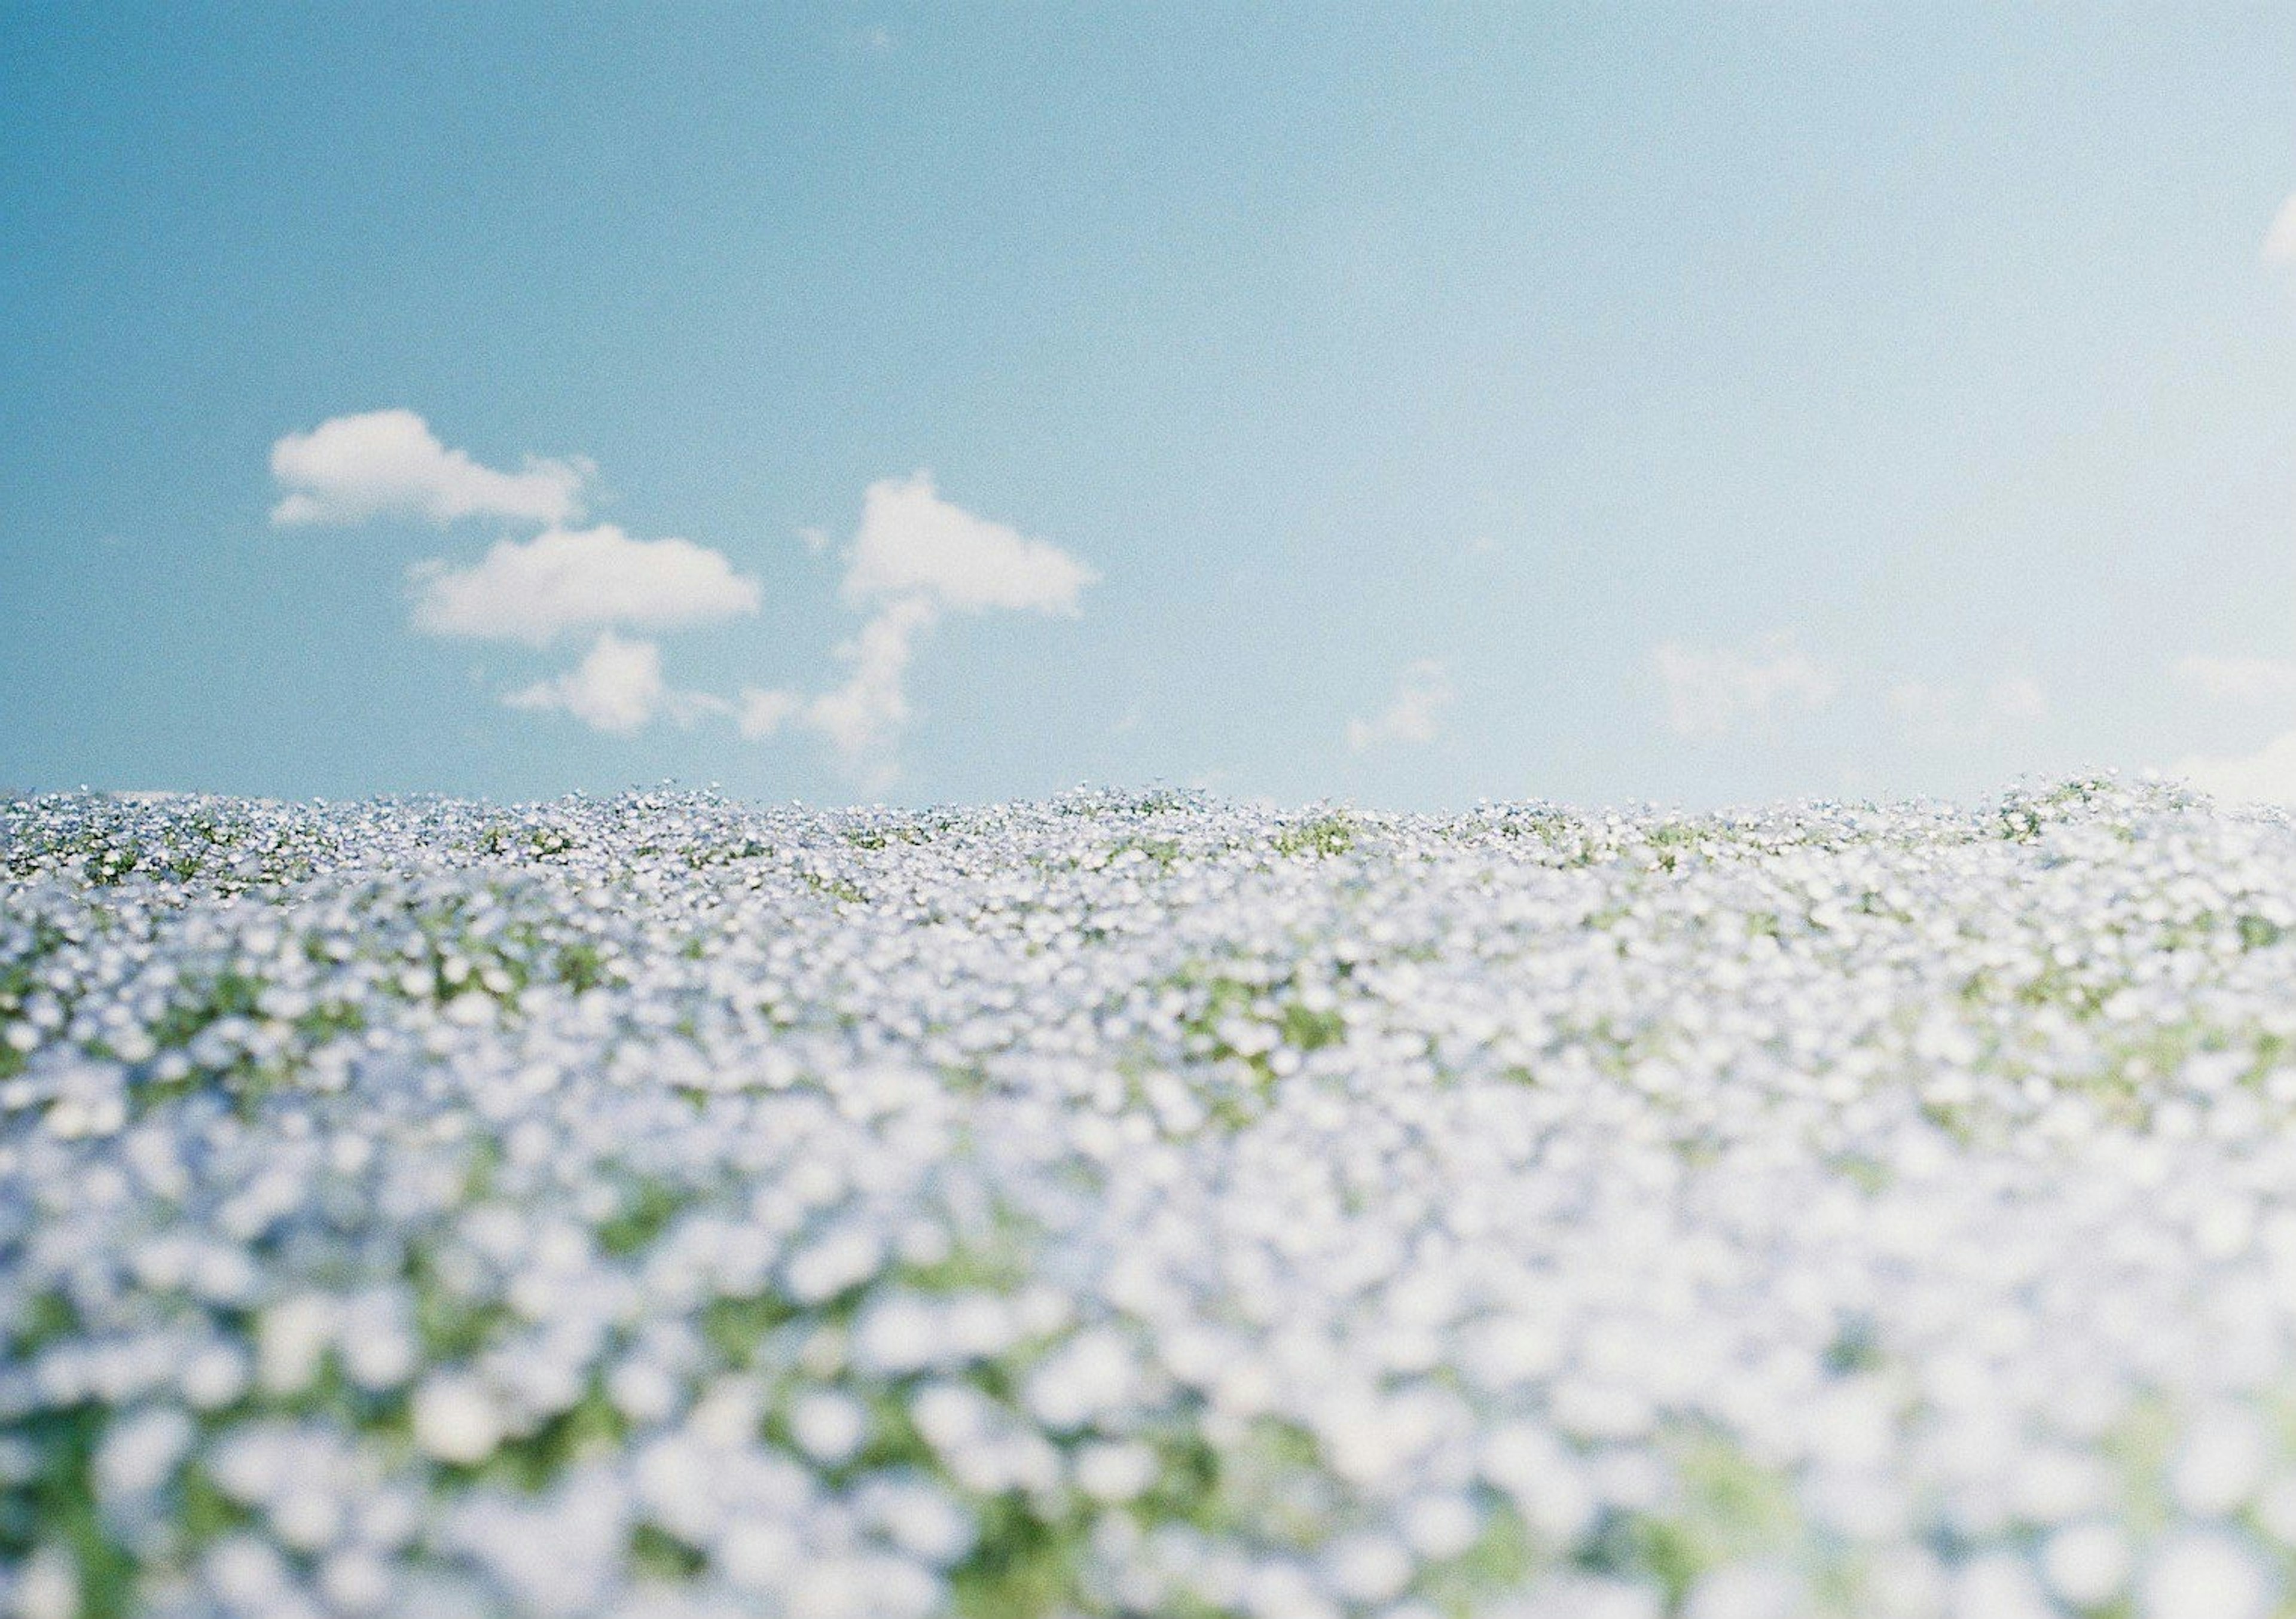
pixel 1413 713
pixel 1713 691
pixel 2280 241
pixel 617 687
pixel 388 463
pixel 2266 776
pixel 912 543
pixel 2242 680
pixel 564 579
pixel 916 559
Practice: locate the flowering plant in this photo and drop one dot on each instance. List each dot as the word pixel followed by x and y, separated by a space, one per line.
pixel 1143 1205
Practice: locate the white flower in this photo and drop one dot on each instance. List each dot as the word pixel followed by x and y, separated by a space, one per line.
pixel 48 1586
pixel 457 1420
pixel 139 1453
pixel 1369 1568
pixel 294 1334
pixel 2206 1574
pixel 828 1425
pixel 759 1554
pixel 2220 1463
pixel 245 1571
pixel 2086 1563
pixel 1745 1592
pixel 1997 1587
pixel 922 1520
pixel 1415 1179
pixel 899 1333
pixel 1115 1472
pixel 845 1258
pixel 1442 1526
pixel 357 1581
pixel 1090 1375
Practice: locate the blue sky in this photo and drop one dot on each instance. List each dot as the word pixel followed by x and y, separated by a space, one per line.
pixel 1698 403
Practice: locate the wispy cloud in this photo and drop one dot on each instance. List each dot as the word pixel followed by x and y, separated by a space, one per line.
pixel 388 463
pixel 1413 713
pixel 916 559
pixel 2243 679
pixel 861 719
pixel 1712 692
pixel 2266 776
pixel 563 579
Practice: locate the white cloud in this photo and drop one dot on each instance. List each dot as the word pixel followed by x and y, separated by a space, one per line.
pixel 761 714
pixel 864 719
pixel 2266 776
pixel 2243 679
pixel 388 463
pixel 916 559
pixel 2280 241
pixel 912 542
pixel 1712 691
pixel 1414 714
pixel 617 687
pixel 580 578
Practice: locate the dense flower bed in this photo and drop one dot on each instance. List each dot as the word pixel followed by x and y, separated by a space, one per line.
pixel 1122 1205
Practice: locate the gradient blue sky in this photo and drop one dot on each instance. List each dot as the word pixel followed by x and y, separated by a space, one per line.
pixel 1698 403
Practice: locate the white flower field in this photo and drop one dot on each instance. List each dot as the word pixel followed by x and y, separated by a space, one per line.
pixel 1127 1205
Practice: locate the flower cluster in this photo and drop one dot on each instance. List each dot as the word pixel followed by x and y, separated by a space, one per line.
pixel 1132 1204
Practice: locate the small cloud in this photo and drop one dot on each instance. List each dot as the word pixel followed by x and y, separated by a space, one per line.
pixel 1712 691
pixel 2240 680
pixel 1413 713
pixel 2280 241
pixel 916 559
pixel 388 463
pixel 861 719
pixel 912 542
pixel 2266 776
pixel 760 713
pixel 579 579
pixel 617 687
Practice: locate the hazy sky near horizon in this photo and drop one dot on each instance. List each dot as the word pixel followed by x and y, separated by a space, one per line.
pixel 1404 405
